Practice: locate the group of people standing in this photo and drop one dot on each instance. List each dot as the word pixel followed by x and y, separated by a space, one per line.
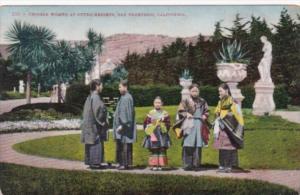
pixel 191 126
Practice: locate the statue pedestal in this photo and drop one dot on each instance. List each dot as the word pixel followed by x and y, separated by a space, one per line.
pixel 264 102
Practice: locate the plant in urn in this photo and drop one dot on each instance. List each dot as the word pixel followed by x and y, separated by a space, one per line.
pixel 232 67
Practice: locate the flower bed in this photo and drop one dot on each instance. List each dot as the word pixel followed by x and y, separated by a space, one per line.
pixel 39 125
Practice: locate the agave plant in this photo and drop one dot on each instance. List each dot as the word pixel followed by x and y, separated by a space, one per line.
pixel 232 53
pixel 186 74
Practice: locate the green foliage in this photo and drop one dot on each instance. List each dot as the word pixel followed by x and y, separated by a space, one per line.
pixel 232 53
pixel 59 107
pixel 166 66
pixel 8 95
pixel 95 42
pixel 35 114
pixel 8 79
pixel 118 74
pixel 186 74
pixel 218 33
pixel 29 46
pixel 171 95
pixel 286 60
pixel 76 94
pixel 239 29
pixel 16 179
pixel 28 49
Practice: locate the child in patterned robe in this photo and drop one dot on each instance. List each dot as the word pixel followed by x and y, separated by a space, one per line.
pixel 157 140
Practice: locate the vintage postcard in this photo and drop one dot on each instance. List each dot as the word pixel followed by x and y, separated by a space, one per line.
pixel 145 98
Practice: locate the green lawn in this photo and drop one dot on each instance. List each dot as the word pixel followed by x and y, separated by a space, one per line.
pixel 251 122
pixel 270 143
pixel 15 179
pixel 263 150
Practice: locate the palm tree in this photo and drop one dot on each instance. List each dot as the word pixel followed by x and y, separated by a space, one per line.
pixel 28 49
pixel 95 44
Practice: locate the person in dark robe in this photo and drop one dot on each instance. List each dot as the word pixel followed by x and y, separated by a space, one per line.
pixel 228 130
pixel 94 126
pixel 193 114
pixel 124 127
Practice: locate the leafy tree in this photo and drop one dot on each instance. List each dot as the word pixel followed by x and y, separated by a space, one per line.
pixel 286 49
pixel 239 29
pixel 118 74
pixel 28 49
pixel 218 33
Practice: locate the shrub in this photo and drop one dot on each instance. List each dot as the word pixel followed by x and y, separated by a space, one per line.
pixel 8 95
pixel 76 94
pixel 12 95
pixel 27 113
pixel 58 107
pixel 16 179
pixel 171 95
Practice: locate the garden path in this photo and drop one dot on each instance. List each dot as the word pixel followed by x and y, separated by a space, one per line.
pixel 290 178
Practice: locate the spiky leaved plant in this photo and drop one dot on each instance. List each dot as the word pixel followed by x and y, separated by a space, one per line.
pixel 232 53
pixel 186 74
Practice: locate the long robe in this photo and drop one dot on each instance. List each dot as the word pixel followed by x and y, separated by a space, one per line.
pixel 125 118
pixel 225 140
pixel 94 129
pixel 193 139
pixel 157 140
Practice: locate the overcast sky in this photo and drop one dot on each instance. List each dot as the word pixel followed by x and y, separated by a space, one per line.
pixel 181 21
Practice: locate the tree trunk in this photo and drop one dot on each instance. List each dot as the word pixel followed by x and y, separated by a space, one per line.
pixel 28 88
pixel 59 95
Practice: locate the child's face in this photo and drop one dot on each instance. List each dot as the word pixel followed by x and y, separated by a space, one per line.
pixel 194 92
pixel 157 104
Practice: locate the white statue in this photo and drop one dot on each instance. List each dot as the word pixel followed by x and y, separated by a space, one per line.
pixel 264 87
pixel 21 86
pixel 87 78
pixel 64 87
pixel 264 66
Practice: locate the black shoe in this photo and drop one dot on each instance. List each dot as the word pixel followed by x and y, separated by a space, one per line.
pixel 198 168
pixel 188 168
pixel 94 167
pixel 109 165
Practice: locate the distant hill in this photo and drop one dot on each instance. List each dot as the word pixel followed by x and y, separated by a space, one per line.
pixel 116 46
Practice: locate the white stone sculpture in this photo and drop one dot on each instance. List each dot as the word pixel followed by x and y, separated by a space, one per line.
pixel 264 66
pixel 264 87
pixel 21 86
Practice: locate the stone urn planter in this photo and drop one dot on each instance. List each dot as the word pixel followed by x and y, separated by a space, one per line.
pixel 185 83
pixel 232 74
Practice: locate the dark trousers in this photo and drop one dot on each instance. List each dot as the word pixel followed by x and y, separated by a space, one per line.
pixel 124 153
pixel 94 153
pixel 228 158
pixel 191 156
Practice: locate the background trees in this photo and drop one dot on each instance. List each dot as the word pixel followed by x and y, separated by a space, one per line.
pixel 29 47
pixel 165 66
